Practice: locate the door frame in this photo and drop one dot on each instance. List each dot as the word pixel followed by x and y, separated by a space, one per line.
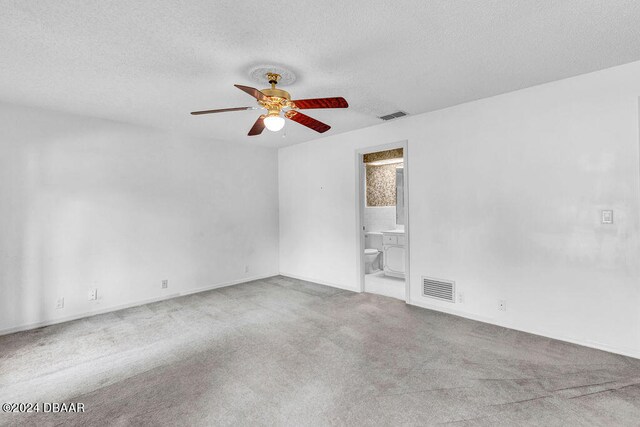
pixel 360 200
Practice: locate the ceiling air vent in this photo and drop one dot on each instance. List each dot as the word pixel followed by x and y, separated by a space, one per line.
pixel 439 289
pixel 393 115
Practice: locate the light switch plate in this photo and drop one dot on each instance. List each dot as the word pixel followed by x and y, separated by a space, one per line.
pixel 607 217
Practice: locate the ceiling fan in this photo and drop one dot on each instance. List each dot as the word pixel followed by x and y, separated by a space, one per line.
pixel 277 101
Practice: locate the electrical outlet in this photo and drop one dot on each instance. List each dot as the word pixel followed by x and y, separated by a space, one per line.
pixel 93 294
pixel 165 284
pixel 60 303
pixel 502 305
pixel 460 297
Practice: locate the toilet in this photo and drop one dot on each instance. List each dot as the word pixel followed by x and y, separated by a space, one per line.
pixel 372 252
pixel 371 261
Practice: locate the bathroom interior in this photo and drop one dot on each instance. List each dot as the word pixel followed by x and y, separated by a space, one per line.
pixel 383 227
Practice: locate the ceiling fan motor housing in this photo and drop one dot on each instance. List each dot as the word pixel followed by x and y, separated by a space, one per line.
pixel 278 98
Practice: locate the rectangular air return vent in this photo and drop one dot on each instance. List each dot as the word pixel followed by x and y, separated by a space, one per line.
pixel 393 115
pixel 439 289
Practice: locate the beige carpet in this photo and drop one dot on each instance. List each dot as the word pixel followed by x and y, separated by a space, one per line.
pixel 284 352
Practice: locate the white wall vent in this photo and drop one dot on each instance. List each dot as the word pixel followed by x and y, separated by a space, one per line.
pixel 444 290
pixel 393 115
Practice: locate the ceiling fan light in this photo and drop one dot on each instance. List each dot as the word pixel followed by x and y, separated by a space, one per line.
pixel 274 122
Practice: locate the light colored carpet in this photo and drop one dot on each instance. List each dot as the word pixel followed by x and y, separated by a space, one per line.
pixel 285 352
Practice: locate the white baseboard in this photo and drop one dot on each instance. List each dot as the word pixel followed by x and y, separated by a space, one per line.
pixel 82 315
pixel 453 312
pixel 630 352
pixel 320 282
pixel 599 346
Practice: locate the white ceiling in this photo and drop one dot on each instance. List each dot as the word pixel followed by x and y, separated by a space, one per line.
pixel 152 62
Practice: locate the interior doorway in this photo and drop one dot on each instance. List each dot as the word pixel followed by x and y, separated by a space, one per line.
pixel 383 220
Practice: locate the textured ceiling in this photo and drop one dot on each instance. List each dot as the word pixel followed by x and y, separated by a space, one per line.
pixel 151 62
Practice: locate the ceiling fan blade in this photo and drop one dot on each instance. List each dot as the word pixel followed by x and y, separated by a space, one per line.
pixel 307 121
pixel 253 92
pixel 258 127
pixel 305 104
pixel 222 110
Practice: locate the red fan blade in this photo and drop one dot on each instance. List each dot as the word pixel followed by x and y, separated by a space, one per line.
pixel 307 121
pixel 253 92
pixel 258 127
pixel 305 104
pixel 223 110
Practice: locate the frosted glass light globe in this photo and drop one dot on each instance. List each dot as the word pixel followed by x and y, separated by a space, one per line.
pixel 274 123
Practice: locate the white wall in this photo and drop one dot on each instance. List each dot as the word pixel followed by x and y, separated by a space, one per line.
pixel 505 199
pixel 88 203
pixel 380 218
